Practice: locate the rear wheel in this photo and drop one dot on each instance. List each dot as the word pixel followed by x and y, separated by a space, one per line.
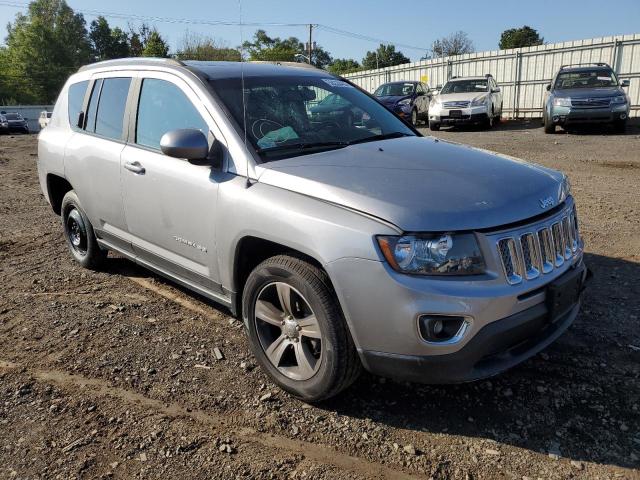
pixel 434 126
pixel 296 329
pixel 78 233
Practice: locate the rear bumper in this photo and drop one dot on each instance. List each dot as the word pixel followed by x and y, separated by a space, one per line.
pixel 497 347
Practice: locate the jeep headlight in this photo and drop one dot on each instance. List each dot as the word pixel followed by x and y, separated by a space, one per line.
pixel 441 254
pixel 406 101
pixel 619 100
pixel 478 102
pixel 562 102
pixel 565 189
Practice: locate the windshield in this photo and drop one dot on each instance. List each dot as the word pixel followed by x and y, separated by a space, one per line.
pixel 465 86
pixel 586 79
pixel 289 115
pixel 13 116
pixel 394 90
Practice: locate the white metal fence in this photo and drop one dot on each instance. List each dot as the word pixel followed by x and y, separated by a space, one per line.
pixel 523 73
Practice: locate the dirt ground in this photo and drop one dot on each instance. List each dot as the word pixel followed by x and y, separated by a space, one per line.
pixel 113 374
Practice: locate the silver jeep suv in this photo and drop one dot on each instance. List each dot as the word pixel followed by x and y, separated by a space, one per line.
pixel 342 242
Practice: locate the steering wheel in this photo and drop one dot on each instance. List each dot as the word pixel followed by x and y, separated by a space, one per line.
pixel 328 124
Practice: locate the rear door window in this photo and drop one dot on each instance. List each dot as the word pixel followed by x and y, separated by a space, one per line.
pixel 113 102
pixel 164 107
pixel 90 122
pixel 75 101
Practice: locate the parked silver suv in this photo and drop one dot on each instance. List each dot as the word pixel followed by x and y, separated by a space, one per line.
pixel 341 243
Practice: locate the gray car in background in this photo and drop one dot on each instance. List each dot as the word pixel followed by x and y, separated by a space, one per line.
pixel 340 245
pixel 586 94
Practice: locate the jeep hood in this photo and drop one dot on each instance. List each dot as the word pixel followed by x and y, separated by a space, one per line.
pixel 420 184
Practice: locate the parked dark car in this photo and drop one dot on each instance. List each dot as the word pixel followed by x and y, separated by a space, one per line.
pixel 408 100
pixel 17 123
pixel 334 108
pixel 586 93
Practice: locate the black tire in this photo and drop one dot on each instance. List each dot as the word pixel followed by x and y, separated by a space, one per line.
pixel 414 117
pixel 434 126
pixel 339 364
pixel 620 126
pixel 488 123
pixel 498 118
pixel 79 235
pixel 549 127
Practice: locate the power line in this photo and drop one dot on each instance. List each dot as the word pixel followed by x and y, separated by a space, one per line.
pixel 188 21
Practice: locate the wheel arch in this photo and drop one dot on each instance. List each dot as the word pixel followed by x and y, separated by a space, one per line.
pixel 252 250
pixel 57 188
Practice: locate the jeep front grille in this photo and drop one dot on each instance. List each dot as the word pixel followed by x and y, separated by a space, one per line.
pixel 539 248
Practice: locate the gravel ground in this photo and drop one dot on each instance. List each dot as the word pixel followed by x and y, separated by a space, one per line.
pixel 113 374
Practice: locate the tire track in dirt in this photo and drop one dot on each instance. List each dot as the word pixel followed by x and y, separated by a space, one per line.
pixel 314 452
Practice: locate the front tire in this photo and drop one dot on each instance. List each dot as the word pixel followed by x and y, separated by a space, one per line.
pixel 434 126
pixel 296 329
pixel 78 232
pixel 549 127
pixel 620 126
pixel 414 117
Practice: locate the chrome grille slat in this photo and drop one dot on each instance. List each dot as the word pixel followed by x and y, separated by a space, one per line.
pixel 540 248
pixel 456 104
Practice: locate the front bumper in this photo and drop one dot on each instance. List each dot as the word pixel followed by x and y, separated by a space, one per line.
pixel 471 115
pixel 18 127
pixel 573 116
pixel 497 347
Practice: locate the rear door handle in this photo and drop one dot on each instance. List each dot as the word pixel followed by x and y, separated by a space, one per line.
pixel 134 167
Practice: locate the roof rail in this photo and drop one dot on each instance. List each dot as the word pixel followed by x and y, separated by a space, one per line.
pixel 132 60
pixel 285 64
pixel 599 64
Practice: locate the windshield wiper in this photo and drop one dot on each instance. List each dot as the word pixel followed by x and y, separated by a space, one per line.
pixel 303 146
pixel 384 136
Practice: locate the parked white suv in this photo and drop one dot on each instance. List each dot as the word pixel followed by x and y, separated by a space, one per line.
pixel 43 120
pixel 468 100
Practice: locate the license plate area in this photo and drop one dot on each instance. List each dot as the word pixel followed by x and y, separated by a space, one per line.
pixel 455 113
pixel 563 293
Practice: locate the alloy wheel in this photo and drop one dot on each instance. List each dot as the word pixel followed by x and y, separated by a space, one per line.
pixel 288 331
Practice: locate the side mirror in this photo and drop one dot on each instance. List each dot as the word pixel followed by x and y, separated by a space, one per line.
pixel 188 143
pixel 496 90
pixel 549 88
pixel 625 82
pixel 419 94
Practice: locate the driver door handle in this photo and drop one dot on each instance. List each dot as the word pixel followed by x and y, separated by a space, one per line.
pixel 134 167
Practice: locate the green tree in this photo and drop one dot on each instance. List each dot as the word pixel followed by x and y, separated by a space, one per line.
pixel 342 66
pixel 384 56
pixel 43 47
pixel 198 47
pixel 520 37
pixel 155 46
pixel 274 49
pixel 458 43
pixel 107 43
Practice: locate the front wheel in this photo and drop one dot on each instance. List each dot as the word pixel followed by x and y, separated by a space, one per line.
pixel 296 329
pixel 414 117
pixel 434 126
pixel 549 127
pixel 78 233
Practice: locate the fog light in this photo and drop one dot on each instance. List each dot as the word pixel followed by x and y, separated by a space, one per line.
pixel 442 328
pixel 556 118
pixel 623 116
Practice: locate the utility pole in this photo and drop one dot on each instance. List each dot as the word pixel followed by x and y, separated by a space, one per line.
pixel 310 44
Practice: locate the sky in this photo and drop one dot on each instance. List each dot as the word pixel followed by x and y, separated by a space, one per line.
pixel 411 23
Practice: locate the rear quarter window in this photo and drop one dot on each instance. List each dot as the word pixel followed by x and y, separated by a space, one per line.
pixel 75 100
